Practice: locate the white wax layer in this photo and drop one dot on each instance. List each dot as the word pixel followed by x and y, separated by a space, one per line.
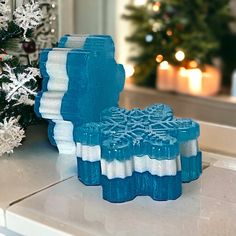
pixel 50 103
pixel 76 41
pixel 89 153
pixel 122 169
pixel 140 164
pixel 63 135
pixel 189 148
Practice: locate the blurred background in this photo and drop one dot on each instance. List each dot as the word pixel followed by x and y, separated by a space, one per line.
pixel 182 53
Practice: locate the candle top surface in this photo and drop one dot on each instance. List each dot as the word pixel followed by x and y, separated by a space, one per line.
pixel 153 131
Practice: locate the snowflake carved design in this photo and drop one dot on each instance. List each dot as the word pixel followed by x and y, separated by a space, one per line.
pixel 28 16
pixel 17 88
pixel 155 125
pixel 151 128
pixel 5 13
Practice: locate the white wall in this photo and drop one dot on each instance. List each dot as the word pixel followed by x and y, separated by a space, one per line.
pixel 123 29
pixel 104 17
pixel 66 17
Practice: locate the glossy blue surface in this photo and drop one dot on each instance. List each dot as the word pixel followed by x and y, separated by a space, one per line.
pixel 191 167
pixel 141 184
pixel 89 173
pixel 94 83
pixel 94 78
pixel 153 131
pixel 90 102
pixel 123 134
pixel 51 126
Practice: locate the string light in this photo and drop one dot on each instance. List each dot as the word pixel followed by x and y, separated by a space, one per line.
pixel 193 64
pixel 139 2
pixel 169 32
pixel 149 38
pixel 156 26
pixel 159 58
pixel 156 6
pixel 164 65
pixel 179 55
pixel 129 70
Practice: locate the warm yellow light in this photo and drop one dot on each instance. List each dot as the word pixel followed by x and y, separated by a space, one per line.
pixel 183 72
pixel 179 55
pixel 139 2
pixel 195 80
pixel 193 64
pixel 156 6
pixel 159 58
pixel 129 70
pixel 169 32
pixel 164 65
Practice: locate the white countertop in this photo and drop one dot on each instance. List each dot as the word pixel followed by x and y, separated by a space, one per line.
pixel 206 207
pixel 40 195
pixel 218 109
pixel 34 166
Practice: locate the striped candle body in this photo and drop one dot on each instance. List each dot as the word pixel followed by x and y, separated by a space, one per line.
pixel 128 152
pixel 138 152
pixel 80 79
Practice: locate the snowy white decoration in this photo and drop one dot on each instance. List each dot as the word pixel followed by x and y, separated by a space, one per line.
pixel 24 99
pixel 11 135
pixel 5 13
pixel 28 16
pixel 16 89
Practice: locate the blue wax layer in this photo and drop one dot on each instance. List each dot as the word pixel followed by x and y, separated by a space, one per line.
pixel 89 173
pixel 141 184
pixel 191 167
pixel 94 84
pixel 51 126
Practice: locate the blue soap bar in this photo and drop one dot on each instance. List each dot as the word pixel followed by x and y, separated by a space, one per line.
pixel 80 79
pixel 141 148
pixel 79 83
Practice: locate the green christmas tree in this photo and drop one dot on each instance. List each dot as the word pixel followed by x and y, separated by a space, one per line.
pixel 18 82
pixel 199 30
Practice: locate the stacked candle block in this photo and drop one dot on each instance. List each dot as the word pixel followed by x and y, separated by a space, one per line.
pixel 128 152
pixel 80 79
pixel 138 152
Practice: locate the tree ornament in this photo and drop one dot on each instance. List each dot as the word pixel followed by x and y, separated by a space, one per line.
pixel 28 16
pixel 29 46
pixel 18 84
pixel 148 38
pixel 5 57
pixel 5 14
pixel 11 135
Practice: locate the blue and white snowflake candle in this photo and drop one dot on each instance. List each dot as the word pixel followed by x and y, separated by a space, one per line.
pixel 138 152
pixel 80 79
pixel 98 43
